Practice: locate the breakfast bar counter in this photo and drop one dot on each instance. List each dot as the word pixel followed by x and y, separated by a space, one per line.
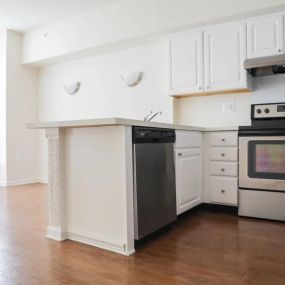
pixel 90 180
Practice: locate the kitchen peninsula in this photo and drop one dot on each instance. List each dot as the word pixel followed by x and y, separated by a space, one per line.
pixel 90 180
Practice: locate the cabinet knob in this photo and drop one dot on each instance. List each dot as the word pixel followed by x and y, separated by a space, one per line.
pixel 223 191
pixel 222 169
pixel 223 140
pixel 280 50
pixel 180 154
pixel 223 154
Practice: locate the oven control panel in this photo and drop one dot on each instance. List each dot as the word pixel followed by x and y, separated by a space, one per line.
pixel 267 111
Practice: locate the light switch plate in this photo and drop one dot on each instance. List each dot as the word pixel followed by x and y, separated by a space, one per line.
pixel 228 107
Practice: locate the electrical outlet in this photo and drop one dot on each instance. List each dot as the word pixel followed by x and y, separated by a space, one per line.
pixel 228 107
pixel 19 156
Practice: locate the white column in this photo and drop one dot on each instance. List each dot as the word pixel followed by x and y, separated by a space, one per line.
pixel 56 222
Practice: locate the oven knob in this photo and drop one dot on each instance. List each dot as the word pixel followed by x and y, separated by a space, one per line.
pixel 258 111
pixel 266 110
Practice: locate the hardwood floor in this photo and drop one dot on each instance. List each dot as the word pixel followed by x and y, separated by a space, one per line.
pixel 202 248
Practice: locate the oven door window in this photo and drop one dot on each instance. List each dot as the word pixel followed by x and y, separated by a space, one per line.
pixel 266 159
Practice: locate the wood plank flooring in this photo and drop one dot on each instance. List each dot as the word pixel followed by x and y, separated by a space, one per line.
pixel 202 248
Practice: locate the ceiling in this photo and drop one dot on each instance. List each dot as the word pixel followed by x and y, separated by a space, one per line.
pixel 24 15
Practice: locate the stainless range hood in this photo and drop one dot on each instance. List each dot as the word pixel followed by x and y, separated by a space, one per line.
pixel 268 65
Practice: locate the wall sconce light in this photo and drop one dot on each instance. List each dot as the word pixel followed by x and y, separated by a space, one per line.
pixel 72 87
pixel 132 79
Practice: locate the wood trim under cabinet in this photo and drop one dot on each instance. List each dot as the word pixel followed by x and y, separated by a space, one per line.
pixel 225 92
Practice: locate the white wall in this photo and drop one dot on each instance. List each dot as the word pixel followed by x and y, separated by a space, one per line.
pixel 102 92
pixel 130 19
pixel 269 89
pixel 3 172
pixel 207 111
pixel 19 98
pixel 21 88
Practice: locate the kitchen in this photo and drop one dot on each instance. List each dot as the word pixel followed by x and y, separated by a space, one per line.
pixel 95 155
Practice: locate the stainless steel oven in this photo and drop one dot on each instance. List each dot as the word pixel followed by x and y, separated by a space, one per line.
pixel 262 163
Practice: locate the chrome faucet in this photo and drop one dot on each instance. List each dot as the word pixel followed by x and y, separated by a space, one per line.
pixel 147 118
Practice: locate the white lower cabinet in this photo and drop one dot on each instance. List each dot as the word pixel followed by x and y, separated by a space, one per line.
pixel 221 166
pixel 224 153
pixel 224 190
pixel 223 139
pixel 188 139
pixel 224 168
pixel 206 167
pixel 189 169
pixel 188 179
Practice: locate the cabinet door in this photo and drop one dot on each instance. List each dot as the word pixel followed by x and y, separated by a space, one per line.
pixel 185 63
pixel 188 179
pixel 225 52
pixel 265 36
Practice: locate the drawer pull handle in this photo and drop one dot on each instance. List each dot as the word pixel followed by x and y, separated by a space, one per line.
pixel 222 169
pixel 223 140
pixel 223 154
pixel 223 191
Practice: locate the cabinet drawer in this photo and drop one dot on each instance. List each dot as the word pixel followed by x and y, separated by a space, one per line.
pixel 223 139
pixel 224 190
pixel 224 168
pixel 224 153
pixel 188 139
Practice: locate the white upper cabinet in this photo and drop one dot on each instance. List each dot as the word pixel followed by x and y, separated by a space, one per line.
pixel 225 52
pixel 208 60
pixel 265 36
pixel 185 63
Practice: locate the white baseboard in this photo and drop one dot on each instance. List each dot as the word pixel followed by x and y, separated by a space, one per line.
pixel 56 234
pixel 130 252
pixel 42 180
pixel 111 246
pixel 9 183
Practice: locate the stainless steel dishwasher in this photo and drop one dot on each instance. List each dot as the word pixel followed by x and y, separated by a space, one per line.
pixel 154 180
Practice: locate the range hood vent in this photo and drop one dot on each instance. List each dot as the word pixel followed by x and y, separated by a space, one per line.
pixel 268 65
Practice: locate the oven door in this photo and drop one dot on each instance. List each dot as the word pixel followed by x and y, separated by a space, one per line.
pixel 262 162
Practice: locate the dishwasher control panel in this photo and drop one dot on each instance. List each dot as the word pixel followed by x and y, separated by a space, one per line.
pixel 145 135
